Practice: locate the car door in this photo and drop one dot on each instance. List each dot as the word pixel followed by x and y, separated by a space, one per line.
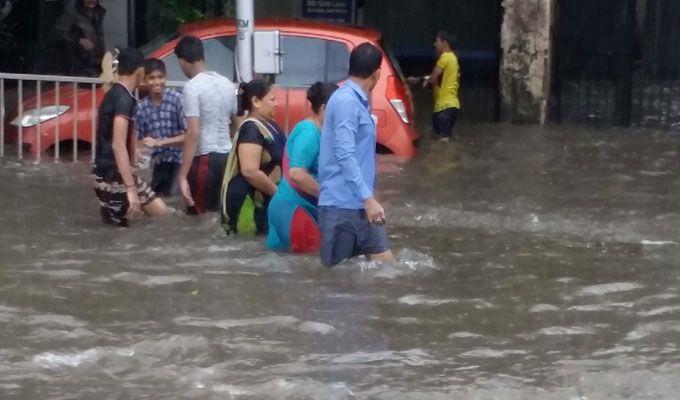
pixel 306 60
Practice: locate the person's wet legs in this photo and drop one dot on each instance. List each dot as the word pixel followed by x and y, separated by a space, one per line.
pixel 156 208
pixel 443 123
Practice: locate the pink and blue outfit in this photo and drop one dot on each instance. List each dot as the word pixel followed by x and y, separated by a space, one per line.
pixel 293 214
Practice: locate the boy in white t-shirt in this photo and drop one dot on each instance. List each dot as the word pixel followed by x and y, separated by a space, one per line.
pixel 209 106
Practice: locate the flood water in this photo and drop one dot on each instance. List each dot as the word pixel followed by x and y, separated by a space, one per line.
pixel 537 263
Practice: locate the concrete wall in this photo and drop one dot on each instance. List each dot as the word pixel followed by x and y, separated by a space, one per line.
pixel 526 36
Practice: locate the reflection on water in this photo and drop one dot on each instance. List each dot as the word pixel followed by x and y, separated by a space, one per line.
pixel 536 264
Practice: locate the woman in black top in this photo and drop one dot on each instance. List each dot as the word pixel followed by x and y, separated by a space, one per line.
pixel 254 166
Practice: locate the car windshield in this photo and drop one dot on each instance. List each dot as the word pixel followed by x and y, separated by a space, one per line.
pixel 157 42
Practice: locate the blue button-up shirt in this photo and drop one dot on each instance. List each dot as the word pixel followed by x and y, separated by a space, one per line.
pixel 347 154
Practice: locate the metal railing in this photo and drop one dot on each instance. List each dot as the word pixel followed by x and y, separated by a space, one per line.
pixel 80 87
pixel 48 91
pixel 39 81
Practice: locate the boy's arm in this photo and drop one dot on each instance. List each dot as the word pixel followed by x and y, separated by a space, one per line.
pixel 179 136
pixel 122 158
pixel 181 123
pixel 171 141
pixel 437 72
pixel 192 113
pixel 433 79
pixel 190 144
pixel 120 151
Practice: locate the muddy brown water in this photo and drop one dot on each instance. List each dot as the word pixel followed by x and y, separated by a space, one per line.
pixel 537 263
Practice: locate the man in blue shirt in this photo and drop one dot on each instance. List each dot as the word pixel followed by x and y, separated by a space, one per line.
pixel 351 220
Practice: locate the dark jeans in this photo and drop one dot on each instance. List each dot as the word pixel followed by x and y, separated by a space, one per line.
pixel 164 178
pixel 444 121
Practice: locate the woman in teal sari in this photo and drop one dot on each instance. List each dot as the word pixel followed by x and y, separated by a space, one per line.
pixel 293 210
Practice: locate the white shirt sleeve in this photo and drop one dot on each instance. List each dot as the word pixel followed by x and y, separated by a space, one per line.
pixel 190 101
pixel 234 107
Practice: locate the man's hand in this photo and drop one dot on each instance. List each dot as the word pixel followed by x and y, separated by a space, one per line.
pixel 414 80
pixel 135 207
pixel 86 44
pixel 185 191
pixel 150 142
pixel 374 211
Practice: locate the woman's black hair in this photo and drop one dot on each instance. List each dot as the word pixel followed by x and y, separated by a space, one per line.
pixel 319 93
pixel 255 88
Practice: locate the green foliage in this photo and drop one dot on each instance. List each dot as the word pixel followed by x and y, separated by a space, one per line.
pixel 170 14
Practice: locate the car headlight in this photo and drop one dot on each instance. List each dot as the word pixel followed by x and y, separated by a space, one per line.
pixel 37 116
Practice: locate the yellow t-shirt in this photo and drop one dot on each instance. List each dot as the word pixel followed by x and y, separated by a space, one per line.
pixel 446 94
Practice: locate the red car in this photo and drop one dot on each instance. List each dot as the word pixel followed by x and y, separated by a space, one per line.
pixel 312 51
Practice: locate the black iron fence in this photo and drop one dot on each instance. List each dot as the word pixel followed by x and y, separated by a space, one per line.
pixel 617 63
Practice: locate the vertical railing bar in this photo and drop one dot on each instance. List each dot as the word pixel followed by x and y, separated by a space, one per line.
pixel 2 117
pixel 57 86
pixel 20 98
pixel 287 124
pixel 93 127
pixel 38 139
pixel 75 121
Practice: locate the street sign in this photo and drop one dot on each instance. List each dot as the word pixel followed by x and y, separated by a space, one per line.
pixel 330 10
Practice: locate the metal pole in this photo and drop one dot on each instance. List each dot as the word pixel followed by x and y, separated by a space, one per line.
pixel 2 118
pixel 75 121
pixel 245 24
pixel 38 138
pixel 56 132
pixel 20 95
pixel 93 133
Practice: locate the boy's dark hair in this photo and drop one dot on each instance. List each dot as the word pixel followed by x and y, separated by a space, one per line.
pixel 129 60
pixel 447 37
pixel 364 60
pixel 255 88
pixel 190 49
pixel 319 93
pixel 154 64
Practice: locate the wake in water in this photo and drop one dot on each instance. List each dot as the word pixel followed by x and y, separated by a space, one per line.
pixel 409 262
